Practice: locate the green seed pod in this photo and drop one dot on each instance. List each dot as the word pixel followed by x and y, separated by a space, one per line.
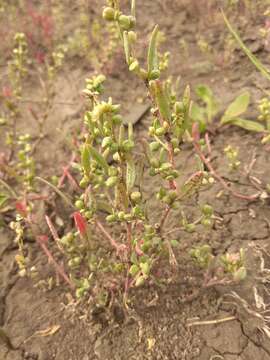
pixel 190 228
pixel 172 194
pixel 125 22
pixel 151 130
pixel 176 151
pixel 116 157
pixel 145 267
pixel 166 166
pixel 132 37
pixel 134 66
pixel 84 182
pixel 206 222
pixel 107 141
pixel 111 181
pixel 154 163
pixel 134 269
pixel 140 281
pixel 121 215
pixel 111 218
pixel 79 204
pixel 117 119
pixel 128 217
pixel 154 146
pixel 207 210
pixel 160 131
pixel 88 214
pixel 136 196
pixel 128 145
pixel 154 75
pixel 113 171
pixel 108 14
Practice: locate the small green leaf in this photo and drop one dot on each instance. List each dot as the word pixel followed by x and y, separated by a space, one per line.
pixel 237 107
pixel 161 100
pixel 131 174
pixel 3 199
pixel 99 158
pixel 85 158
pixel 248 125
pixel 206 94
pixel 152 59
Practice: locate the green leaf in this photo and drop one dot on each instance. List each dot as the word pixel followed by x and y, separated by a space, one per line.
pixel 131 174
pixel 197 114
pixel 152 58
pixel 99 158
pixel 248 125
pixel 262 68
pixel 3 199
pixel 85 158
pixel 206 94
pixel 237 107
pixel 161 99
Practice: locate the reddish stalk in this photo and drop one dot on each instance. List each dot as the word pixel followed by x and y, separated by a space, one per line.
pixel 119 247
pixel 213 172
pixel 54 233
pixel 42 243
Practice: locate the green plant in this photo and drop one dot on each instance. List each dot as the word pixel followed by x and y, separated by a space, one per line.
pixel 205 115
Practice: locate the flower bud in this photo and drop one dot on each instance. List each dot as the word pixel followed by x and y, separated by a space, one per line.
pixel 111 181
pixel 125 22
pixel 136 196
pixel 108 14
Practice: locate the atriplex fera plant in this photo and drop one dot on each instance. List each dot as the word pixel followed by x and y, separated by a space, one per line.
pixel 112 175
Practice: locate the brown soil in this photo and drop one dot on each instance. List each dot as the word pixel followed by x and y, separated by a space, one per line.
pixel 156 326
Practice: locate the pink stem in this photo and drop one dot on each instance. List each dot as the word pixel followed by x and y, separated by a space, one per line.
pixel 57 267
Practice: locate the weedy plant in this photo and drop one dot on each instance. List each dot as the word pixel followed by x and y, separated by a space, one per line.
pixel 206 114
pixel 264 103
pixel 112 201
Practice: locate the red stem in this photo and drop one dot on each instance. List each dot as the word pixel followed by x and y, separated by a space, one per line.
pixel 57 267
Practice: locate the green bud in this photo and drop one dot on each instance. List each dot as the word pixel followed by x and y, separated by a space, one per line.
pixel 116 157
pixel 154 163
pixel 111 218
pixel 106 142
pixel 145 267
pixel 132 37
pixel 79 204
pixel 117 119
pixel 121 215
pixel 207 210
pixel 154 146
pixel 125 22
pixel 134 269
pixel 113 171
pixel 154 75
pixel 111 181
pixel 160 131
pixel 108 14
pixel 140 281
pixel 134 66
pixel 128 217
pixel 136 196
pixel 84 182
pixel 166 166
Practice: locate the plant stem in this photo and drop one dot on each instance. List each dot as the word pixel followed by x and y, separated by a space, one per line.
pixel 213 172
pixel 58 268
